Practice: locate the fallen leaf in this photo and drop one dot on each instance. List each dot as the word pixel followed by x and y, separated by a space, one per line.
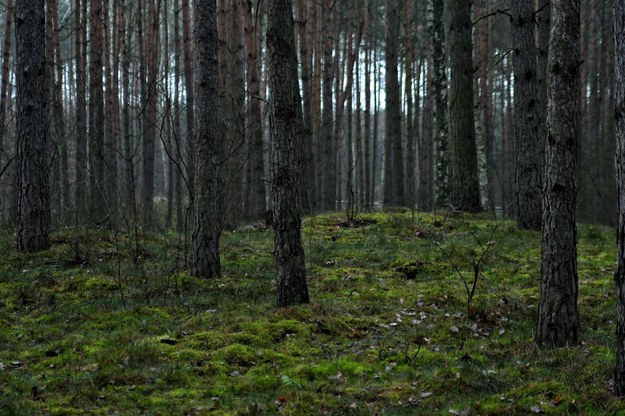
pixel 426 394
pixel 536 409
pixel 454 329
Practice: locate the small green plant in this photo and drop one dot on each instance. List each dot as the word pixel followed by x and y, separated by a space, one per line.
pixel 475 257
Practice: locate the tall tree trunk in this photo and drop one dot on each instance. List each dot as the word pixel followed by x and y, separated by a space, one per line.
pixel 286 128
pixel 207 207
pixel 59 124
pixel 465 188
pixel 367 127
pixel 112 111
pixel 34 202
pixel 619 275
pixel 529 145
pixel 327 165
pixel 98 206
pixel 305 47
pixel 189 82
pixel 437 33
pixel 607 210
pixel 558 317
pixel 426 151
pixel 80 199
pixel 128 190
pixel 393 154
pixel 6 55
pixel 412 129
pixel 150 128
pixel 485 95
pixel 256 196
pixel 179 153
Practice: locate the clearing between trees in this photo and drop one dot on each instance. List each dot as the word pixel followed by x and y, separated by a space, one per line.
pixel 105 323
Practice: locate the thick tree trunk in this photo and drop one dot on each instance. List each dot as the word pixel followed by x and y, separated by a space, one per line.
pixel 393 153
pixel 619 275
pixel 207 207
pixel 558 317
pixel 286 129
pixel 34 201
pixel 465 188
pixel 526 130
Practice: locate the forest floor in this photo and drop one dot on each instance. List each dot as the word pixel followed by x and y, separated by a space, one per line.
pixel 111 324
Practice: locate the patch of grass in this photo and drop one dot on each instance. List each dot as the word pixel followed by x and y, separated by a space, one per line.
pixel 103 324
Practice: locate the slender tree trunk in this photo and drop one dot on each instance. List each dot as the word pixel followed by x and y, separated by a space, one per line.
pixel 6 55
pixel 286 129
pixel 98 206
pixel 188 80
pixel 328 155
pixel 256 196
pixel 112 111
pixel 80 199
pixel 205 262
pixel 529 145
pixel 619 275
pixel 426 151
pixel 367 127
pixel 59 124
pixel 150 129
pixel 412 129
pixel 128 191
pixel 437 33
pixel 179 159
pixel 34 202
pixel 558 317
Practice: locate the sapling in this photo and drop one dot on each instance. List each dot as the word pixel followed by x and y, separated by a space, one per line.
pixel 476 259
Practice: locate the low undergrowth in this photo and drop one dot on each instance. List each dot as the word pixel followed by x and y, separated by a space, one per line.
pixel 102 324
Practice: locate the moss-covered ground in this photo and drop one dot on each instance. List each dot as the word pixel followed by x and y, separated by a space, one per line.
pixel 110 324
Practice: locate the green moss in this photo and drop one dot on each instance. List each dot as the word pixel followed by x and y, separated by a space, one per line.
pixel 387 323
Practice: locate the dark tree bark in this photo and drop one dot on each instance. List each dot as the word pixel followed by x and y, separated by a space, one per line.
pixel 306 52
pixel 286 129
pixel 465 188
pixel 327 165
pixel 34 201
pixel 256 197
pixel 188 82
pixel 98 208
pixel 619 275
pixel 6 54
pixel 437 33
pixel 526 129
pixel 558 317
pixel 80 196
pixel 393 154
pixel 207 207
pixel 150 128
